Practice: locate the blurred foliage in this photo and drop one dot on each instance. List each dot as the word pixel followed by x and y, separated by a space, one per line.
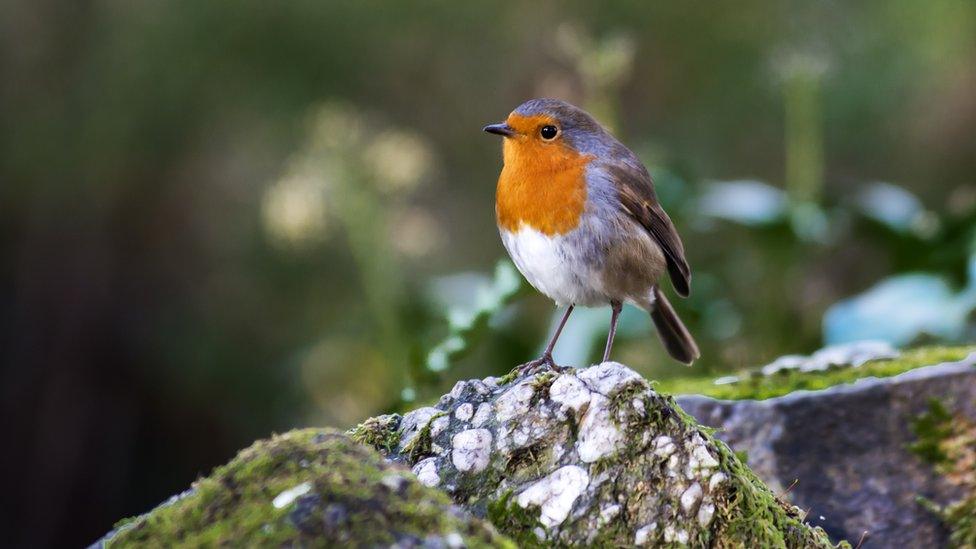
pixel 220 219
pixel 466 323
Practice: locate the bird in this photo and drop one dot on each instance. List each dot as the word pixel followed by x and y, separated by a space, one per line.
pixel 578 215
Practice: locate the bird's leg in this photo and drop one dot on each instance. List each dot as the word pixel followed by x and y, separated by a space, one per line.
pixel 546 358
pixel 614 316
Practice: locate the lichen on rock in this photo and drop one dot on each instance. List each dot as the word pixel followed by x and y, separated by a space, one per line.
pixel 592 457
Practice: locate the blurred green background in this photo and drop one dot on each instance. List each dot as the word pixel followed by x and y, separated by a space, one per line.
pixel 220 219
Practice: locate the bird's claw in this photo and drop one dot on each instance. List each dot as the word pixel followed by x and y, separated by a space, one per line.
pixel 544 362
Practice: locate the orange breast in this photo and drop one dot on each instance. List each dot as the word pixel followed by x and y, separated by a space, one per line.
pixel 542 185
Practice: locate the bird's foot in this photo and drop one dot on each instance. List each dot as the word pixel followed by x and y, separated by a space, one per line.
pixel 544 362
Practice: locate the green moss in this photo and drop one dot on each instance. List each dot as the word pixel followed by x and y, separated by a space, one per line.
pixel 543 381
pixel 354 498
pixel 960 517
pixel 949 442
pixel 753 516
pixel 379 432
pixel 509 377
pixel 931 429
pixel 515 521
pixel 540 385
pixel 754 386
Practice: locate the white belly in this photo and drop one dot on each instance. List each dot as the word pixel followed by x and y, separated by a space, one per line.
pixel 554 267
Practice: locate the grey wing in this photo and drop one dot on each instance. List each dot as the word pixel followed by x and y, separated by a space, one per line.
pixel 636 194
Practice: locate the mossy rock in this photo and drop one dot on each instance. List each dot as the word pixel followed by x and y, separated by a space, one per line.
pixel 843 450
pixel 588 457
pixel 308 488
pixel 753 385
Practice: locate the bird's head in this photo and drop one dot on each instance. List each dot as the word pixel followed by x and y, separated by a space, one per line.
pixel 549 129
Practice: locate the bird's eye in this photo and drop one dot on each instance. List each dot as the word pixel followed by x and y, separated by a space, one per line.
pixel 549 132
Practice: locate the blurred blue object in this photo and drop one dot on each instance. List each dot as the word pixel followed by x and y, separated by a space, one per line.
pixel 891 205
pixel 744 201
pixel 903 308
pixel 809 222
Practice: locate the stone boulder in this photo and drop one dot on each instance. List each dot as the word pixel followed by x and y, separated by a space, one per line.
pixel 847 449
pixel 589 457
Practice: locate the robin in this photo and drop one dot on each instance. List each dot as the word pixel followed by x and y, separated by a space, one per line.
pixel 578 214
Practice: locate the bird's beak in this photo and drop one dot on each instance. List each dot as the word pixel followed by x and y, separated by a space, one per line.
pixel 502 129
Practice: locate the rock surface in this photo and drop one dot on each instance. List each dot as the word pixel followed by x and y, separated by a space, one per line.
pixel 587 457
pixel 847 447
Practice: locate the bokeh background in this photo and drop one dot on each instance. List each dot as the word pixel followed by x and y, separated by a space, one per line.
pixel 223 219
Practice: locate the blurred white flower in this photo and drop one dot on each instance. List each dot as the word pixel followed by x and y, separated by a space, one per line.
pixel 791 64
pixel 335 127
pixel 415 233
pixel 344 151
pixel 294 210
pixel 397 160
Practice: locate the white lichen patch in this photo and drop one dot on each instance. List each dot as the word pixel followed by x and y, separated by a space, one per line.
pixel 426 471
pixel 638 405
pixel 598 436
pixel 557 452
pixel 394 482
pixel 700 463
pixel 438 425
pixel 690 498
pixel 514 402
pixel 286 497
pixel 664 447
pixel 523 431
pixel 705 514
pixel 569 392
pixel 643 534
pixel 481 415
pixel 464 411
pixel 608 378
pixel 413 422
pixel 608 513
pixel 454 540
pixel 716 481
pixel 555 494
pixel 673 463
pixel 704 457
pixel 479 387
pixel 458 389
pixel 471 450
pixel 675 535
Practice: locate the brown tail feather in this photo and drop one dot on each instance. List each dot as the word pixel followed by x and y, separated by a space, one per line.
pixel 675 337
